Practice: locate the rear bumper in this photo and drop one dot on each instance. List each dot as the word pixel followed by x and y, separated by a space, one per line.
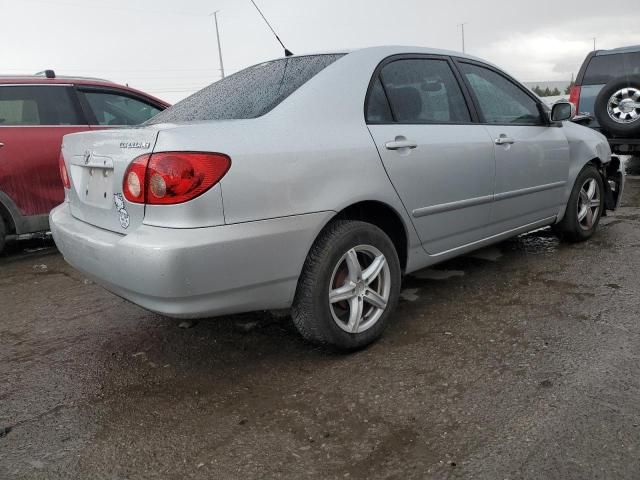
pixel 624 146
pixel 191 273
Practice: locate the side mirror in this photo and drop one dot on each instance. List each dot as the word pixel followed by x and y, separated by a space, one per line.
pixel 562 111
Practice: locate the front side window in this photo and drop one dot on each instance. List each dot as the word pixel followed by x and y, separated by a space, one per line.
pixel 250 93
pixel 501 101
pixel 26 105
pixel 115 109
pixel 423 91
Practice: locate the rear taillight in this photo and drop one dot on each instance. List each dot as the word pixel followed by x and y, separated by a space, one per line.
pixel 134 180
pixel 64 175
pixel 168 178
pixel 574 97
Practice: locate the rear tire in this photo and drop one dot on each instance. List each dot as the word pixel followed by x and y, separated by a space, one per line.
pixel 349 286
pixel 585 207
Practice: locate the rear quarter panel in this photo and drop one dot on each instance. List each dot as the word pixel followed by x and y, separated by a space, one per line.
pixel 313 153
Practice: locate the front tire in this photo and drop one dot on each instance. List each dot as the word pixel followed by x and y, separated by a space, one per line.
pixel 349 286
pixel 585 207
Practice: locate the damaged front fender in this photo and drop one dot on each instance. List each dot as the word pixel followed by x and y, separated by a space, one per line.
pixel 588 146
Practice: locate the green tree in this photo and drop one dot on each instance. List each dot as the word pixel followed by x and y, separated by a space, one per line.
pixel 567 90
pixel 555 92
pixel 547 92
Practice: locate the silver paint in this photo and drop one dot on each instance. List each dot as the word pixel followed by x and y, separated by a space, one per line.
pixel 241 245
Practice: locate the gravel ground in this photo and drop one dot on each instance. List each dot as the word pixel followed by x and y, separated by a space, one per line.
pixel 518 361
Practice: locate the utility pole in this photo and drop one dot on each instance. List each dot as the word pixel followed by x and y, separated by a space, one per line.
pixel 215 18
pixel 461 25
pixel 594 44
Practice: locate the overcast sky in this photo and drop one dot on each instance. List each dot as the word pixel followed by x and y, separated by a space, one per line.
pixel 168 48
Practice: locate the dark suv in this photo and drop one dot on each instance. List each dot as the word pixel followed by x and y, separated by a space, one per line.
pixel 607 89
pixel 35 113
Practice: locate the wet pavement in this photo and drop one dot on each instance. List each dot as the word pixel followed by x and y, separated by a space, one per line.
pixel 518 361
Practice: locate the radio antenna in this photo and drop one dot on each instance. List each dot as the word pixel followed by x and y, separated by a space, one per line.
pixel 287 52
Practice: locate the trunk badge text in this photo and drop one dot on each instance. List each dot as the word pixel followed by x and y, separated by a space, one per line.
pixel 87 157
pixel 135 144
pixel 118 200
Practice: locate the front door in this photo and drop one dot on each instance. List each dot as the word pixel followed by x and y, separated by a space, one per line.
pixel 441 164
pixel 532 157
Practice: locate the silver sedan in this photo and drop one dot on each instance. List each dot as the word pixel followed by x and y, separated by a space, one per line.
pixel 315 182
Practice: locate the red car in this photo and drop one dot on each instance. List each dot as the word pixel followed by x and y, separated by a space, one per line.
pixel 35 112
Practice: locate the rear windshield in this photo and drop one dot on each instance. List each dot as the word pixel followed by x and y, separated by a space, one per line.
pixel 604 68
pixel 249 93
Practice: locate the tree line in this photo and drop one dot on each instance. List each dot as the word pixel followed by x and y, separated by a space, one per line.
pixel 547 92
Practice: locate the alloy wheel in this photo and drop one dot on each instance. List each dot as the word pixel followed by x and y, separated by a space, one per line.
pixel 624 105
pixel 588 204
pixel 359 289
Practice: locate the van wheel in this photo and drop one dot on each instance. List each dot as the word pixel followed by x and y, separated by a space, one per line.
pixel 585 206
pixel 349 286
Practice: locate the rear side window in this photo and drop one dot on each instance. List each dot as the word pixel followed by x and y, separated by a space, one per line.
pixel 501 101
pixel 37 105
pixel 423 91
pixel 110 108
pixel 604 68
pixel 249 93
pixel 378 110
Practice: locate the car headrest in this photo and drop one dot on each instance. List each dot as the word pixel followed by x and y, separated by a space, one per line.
pixel 407 103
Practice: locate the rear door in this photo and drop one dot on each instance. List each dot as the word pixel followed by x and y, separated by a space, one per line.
pixel 532 156
pixel 111 107
pixel 441 163
pixel 33 120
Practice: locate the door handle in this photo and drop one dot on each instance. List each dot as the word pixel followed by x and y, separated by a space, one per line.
pixel 504 140
pixel 400 144
pixel 1 144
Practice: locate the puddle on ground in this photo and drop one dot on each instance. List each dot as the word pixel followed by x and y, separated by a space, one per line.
pixel 537 242
pixel 433 274
pixel 34 247
pixel 409 294
pixel 490 254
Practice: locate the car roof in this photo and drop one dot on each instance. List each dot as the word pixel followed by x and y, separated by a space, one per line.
pixel 69 80
pixel 386 50
pixel 40 79
pixel 613 51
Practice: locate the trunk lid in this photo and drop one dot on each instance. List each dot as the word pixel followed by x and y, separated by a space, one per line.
pixel 96 162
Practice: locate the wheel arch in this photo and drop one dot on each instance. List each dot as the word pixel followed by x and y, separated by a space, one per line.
pixel 7 214
pixel 383 216
pixel 602 168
